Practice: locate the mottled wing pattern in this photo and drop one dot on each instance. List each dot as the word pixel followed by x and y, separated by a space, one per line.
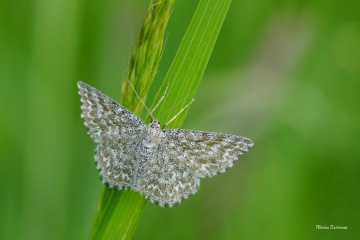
pixel 115 129
pixel 116 163
pixel 164 165
pixel 206 154
pixel 105 118
pixel 173 173
pixel 166 180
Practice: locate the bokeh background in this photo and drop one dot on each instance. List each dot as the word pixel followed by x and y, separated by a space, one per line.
pixel 283 73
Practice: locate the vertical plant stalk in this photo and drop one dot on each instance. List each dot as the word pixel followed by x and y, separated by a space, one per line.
pixel 118 212
pixel 187 69
pixel 146 55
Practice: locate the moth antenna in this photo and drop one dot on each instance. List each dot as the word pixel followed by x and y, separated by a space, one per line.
pixel 151 116
pixel 162 98
pixel 173 106
pixel 187 105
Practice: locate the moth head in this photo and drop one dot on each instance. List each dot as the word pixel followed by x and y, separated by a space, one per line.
pixel 155 124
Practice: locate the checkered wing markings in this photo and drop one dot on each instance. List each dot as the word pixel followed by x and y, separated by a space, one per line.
pixel 105 118
pixel 113 172
pixel 166 181
pixel 206 154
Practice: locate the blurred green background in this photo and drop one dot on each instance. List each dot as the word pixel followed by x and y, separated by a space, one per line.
pixel 283 73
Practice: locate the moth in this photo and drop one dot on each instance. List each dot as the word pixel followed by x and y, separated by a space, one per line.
pixel 164 165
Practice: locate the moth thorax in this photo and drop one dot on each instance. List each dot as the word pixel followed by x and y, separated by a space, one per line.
pixel 153 135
